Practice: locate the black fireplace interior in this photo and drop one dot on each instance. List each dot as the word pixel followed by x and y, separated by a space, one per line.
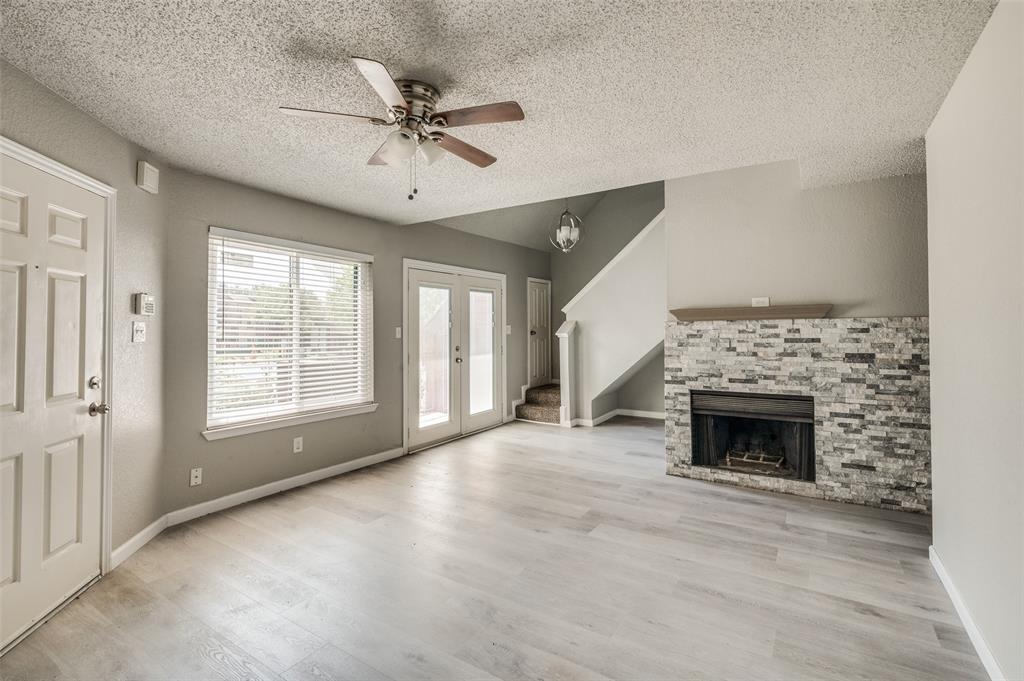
pixel 754 433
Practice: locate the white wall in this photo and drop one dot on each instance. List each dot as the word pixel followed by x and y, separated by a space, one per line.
pixel 975 150
pixel 737 234
pixel 621 321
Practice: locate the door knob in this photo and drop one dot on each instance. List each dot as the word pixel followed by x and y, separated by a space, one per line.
pixel 458 360
pixel 532 332
pixel 97 409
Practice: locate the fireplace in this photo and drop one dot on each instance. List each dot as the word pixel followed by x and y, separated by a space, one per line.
pixel 751 433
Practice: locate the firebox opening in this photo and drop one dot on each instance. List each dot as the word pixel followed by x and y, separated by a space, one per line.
pixel 750 433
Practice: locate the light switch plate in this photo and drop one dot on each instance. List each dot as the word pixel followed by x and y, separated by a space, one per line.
pixel 761 302
pixel 138 332
pixel 297 445
pixel 398 332
pixel 508 329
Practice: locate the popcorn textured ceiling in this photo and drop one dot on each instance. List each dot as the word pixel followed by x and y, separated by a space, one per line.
pixel 616 93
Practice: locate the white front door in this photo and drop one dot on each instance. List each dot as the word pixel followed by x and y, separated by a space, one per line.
pixel 455 359
pixel 538 313
pixel 51 345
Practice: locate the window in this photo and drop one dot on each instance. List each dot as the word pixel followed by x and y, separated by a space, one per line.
pixel 290 330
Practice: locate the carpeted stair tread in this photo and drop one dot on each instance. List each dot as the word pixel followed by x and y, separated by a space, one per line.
pixel 550 395
pixel 537 412
pixel 542 404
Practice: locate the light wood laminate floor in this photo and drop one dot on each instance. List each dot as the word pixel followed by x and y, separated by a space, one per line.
pixel 526 552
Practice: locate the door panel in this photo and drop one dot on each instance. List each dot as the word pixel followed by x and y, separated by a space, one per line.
pixel 481 353
pixel 455 360
pixel 434 381
pixel 539 322
pixel 51 342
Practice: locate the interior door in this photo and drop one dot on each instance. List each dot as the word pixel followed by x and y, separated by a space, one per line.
pixel 51 346
pixel 435 384
pixel 538 311
pixel 455 355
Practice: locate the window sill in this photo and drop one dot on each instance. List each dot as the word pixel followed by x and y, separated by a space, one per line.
pixel 286 421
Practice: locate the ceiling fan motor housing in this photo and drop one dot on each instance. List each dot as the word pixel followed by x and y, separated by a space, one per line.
pixel 422 99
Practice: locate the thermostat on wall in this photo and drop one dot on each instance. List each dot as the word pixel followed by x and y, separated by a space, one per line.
pixel 147 177
pixel 143 303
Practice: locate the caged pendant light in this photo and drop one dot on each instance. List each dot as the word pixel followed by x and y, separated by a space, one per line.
pixel 568 232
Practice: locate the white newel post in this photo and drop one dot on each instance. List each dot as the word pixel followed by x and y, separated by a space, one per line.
pixel 567 370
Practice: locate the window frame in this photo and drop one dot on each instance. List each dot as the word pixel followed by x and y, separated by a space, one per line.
pixel 226 430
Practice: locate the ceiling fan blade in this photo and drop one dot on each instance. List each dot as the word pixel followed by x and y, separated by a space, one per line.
pixel 313 113
pixel 501 112
pixel 376 74
pixel 467 152
pixel 376 159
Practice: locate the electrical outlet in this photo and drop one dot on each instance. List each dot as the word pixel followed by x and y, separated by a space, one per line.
pixel 761 302
pixel 196 477
pixel 138 332
pixel 296 445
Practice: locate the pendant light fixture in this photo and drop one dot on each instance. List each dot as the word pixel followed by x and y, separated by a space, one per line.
pixel 568 232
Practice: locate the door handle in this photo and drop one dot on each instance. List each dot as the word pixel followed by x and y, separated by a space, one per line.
pixel 97 409
pixel 532 332
pixel 458 360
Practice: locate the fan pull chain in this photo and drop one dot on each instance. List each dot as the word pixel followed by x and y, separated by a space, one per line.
pixel 412 178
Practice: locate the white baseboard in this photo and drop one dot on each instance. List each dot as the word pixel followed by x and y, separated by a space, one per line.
pixel 590 423
pixel 182 515
pixel 220 503
pixel 641 414
pixel 980 646
pixel 122 552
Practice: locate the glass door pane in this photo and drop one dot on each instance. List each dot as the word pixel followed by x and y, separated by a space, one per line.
pixel 434 355
pixel 481 351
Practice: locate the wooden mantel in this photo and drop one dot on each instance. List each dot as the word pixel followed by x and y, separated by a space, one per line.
pixel 729 314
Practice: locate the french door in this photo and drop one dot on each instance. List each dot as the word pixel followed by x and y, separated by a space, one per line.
pixel 455 355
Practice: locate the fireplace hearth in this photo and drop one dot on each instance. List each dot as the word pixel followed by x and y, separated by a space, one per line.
pixel 752 433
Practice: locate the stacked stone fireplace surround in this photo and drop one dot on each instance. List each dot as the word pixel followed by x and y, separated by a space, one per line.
pixel 869 380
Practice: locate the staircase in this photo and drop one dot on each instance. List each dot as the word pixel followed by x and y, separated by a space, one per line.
pixel 616 323
pixel 542 404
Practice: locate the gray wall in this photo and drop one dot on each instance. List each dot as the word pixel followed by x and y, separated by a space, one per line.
pixel 645 391
pixel 37 118
pixel 975 150
pixel 159 387
pixel 750 232
pixel 239 463
pixel 607 228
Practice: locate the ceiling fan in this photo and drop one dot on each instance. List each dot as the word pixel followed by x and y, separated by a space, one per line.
pixel 412 106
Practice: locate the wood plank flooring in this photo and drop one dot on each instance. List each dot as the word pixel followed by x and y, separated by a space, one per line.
pixel 526 552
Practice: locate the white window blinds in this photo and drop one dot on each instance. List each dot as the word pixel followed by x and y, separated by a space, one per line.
pixel 290 329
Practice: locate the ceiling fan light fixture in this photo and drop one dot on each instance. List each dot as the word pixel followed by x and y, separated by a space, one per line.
pixel 430 151
pixel 399 147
